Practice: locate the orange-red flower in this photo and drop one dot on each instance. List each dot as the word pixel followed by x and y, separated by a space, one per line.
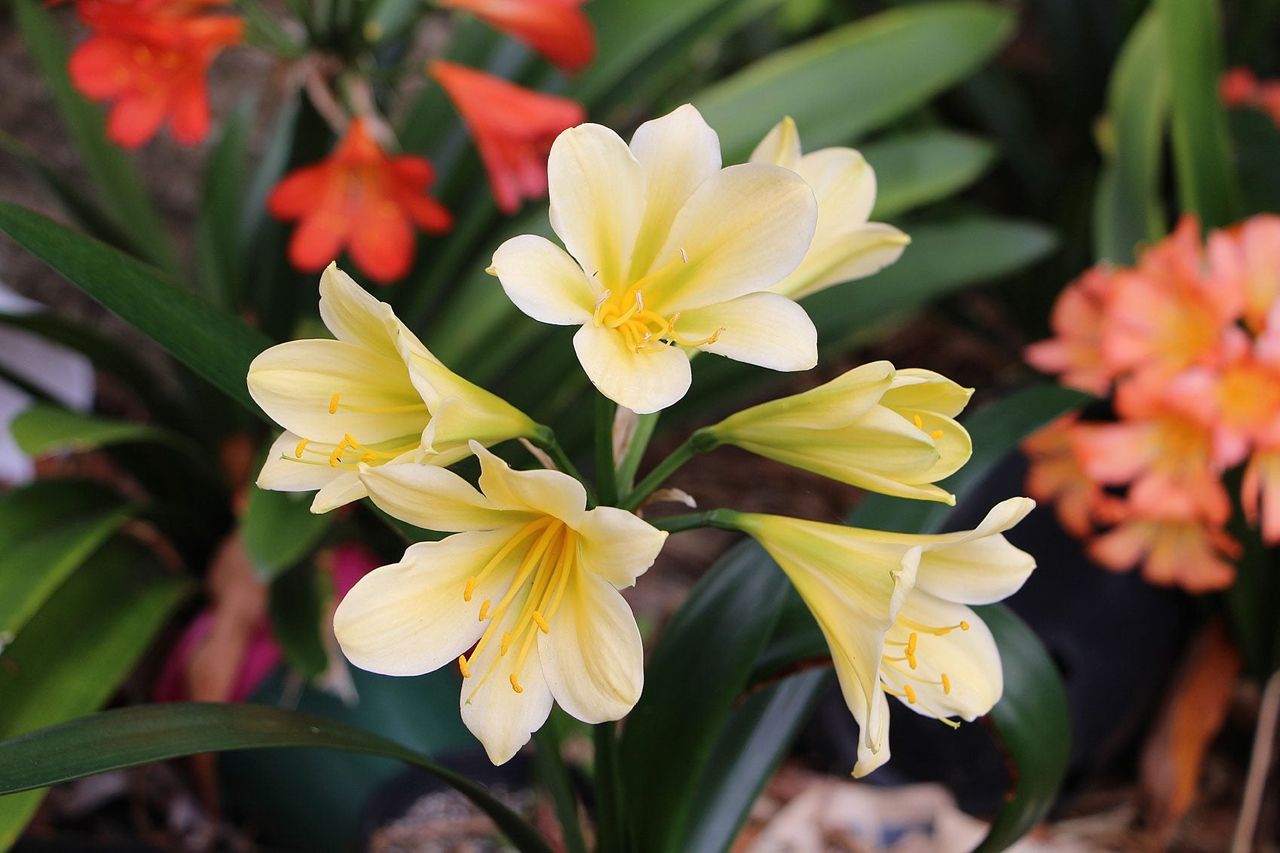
pixel 362 199
pixel 1246 259
pixel 150 57
pixel 1173 551
pixel 1239 87
pixel 558 29
pixel 513 127
pixel 1055 475
pixel 1075 351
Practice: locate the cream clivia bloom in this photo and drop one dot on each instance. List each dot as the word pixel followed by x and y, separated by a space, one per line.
pixel 892 607
pixel 886 430
pixel 372 396
pixel 523 595
pixel 845 246
pixel 667 252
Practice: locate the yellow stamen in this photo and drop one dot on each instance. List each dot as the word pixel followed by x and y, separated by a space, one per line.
pixel 506 643
pixel 333 404
pixel 515 684
pixel 462 665
pixel 542 623
pixel 918 421
pixel 470 588
pixel 946 684
pixel 932 629
pixel 301 448
pixel 911 693
pixel 484 609
pixel 936 434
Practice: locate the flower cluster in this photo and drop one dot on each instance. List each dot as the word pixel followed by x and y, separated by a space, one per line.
pixel 668 253
pixel 1240 87
pixel 1186 342
pixel 151 59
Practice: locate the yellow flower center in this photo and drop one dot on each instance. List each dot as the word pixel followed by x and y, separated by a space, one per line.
pixel 642 329
pixel 908 654
pixel 544 571
pixel 349 451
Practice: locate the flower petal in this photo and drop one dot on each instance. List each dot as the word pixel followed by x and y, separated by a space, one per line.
pixel 339 491
pixel 543 281
pixel 295 383
pixel 410 618
pixel 760 328
pixel 501 718
pixel 780 146
pixel 540 492
pixel 353 315
pixel 845 186
pixel 846 256
pixel 285 471
pixel 969 658
pixel 597 199
pixel 643 382
pixel 593 659
pixel 434 498
pixel 978 566
pixel 742 231
pixel 617 545
pixel 676 153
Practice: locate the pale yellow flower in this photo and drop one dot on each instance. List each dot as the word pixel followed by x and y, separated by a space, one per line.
pixel 845 246
pixel 886 430
pixel 372 396
pixel 892 607
pixel 667 252
pixel 530 580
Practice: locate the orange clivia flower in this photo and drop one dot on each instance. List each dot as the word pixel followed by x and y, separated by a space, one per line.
pixel 150 57
pixel 1173 551
pixel 1246 259
pixel 362 199
pixel 513 127
pixel 1260 490
pixel 1054 474
pixel 558 29
pixel 1238 87
pixel 1075 351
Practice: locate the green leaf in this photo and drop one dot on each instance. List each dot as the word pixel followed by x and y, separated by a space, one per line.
pixel 279 529
pixel 1128 209
pixel 1192 36
pixel 214 344
pixel 695 673
pixel 118 184
pixel 916 169
pixel 218 247
pixel 1032 724
pixel 75 652
pixel 139 735
pixel 857 78
pixel 46 428
pixel 47 531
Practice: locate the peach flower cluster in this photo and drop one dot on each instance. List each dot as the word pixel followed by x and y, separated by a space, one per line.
pixel 1240 88
pixel 1187 345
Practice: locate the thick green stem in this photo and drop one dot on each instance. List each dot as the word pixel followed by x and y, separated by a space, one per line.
pixel 630 462
pixel 545 440
pixel 606 473
pixel 610 829
pixel 723 519
pixel 555 775
pixel 700 442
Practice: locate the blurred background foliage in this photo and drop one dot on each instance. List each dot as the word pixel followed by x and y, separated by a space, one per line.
pixel 1017 143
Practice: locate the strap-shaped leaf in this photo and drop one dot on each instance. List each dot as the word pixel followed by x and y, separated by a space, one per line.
pixel 916 169
pixel 279 529
pixel 213 343
pixel 77 649
pixel 46 428
pixel 1127 208
pixel 145 733
pixel 842 84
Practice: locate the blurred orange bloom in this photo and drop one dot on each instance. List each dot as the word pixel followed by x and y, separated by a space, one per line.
pixel 558 29
pixel 1246 259
pixel 513 127
pixel 1173 552
pixel 1055 474
pixel 363 199
pixel 1239 87
pixel 1260 491
pixel 1076 350
pixel 150 57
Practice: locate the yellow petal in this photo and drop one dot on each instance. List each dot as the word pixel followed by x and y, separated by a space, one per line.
pixel 462 411
pixel 616 545
pixel 742 231
pixel 354 316
pixel 295 384
pixel 926 391
pixel 643 382
pixel 676 153
pixel 502 719
pixel 764 329
pixel 833 404
pixel 410 618
pixel 845 186
pixel 340 491
pixel 543 281
pixel 538 492
pixel 597 193
pixel 979 566
pixel 780 146
pixel 284 471
pixel 592 658
pixel 969 659
pixel 435 498
pixel 847 256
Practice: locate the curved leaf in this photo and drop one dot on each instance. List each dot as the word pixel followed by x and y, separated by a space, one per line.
pixel 279 529
pixel 918 168
pixel 214 344
pixel 142 734
pixel 879 68
pixel 45 428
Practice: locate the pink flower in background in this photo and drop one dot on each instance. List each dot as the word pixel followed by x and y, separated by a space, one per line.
pixel 1246 259
pixel 1172 551
pixel 1075 351
pixel 1057 475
